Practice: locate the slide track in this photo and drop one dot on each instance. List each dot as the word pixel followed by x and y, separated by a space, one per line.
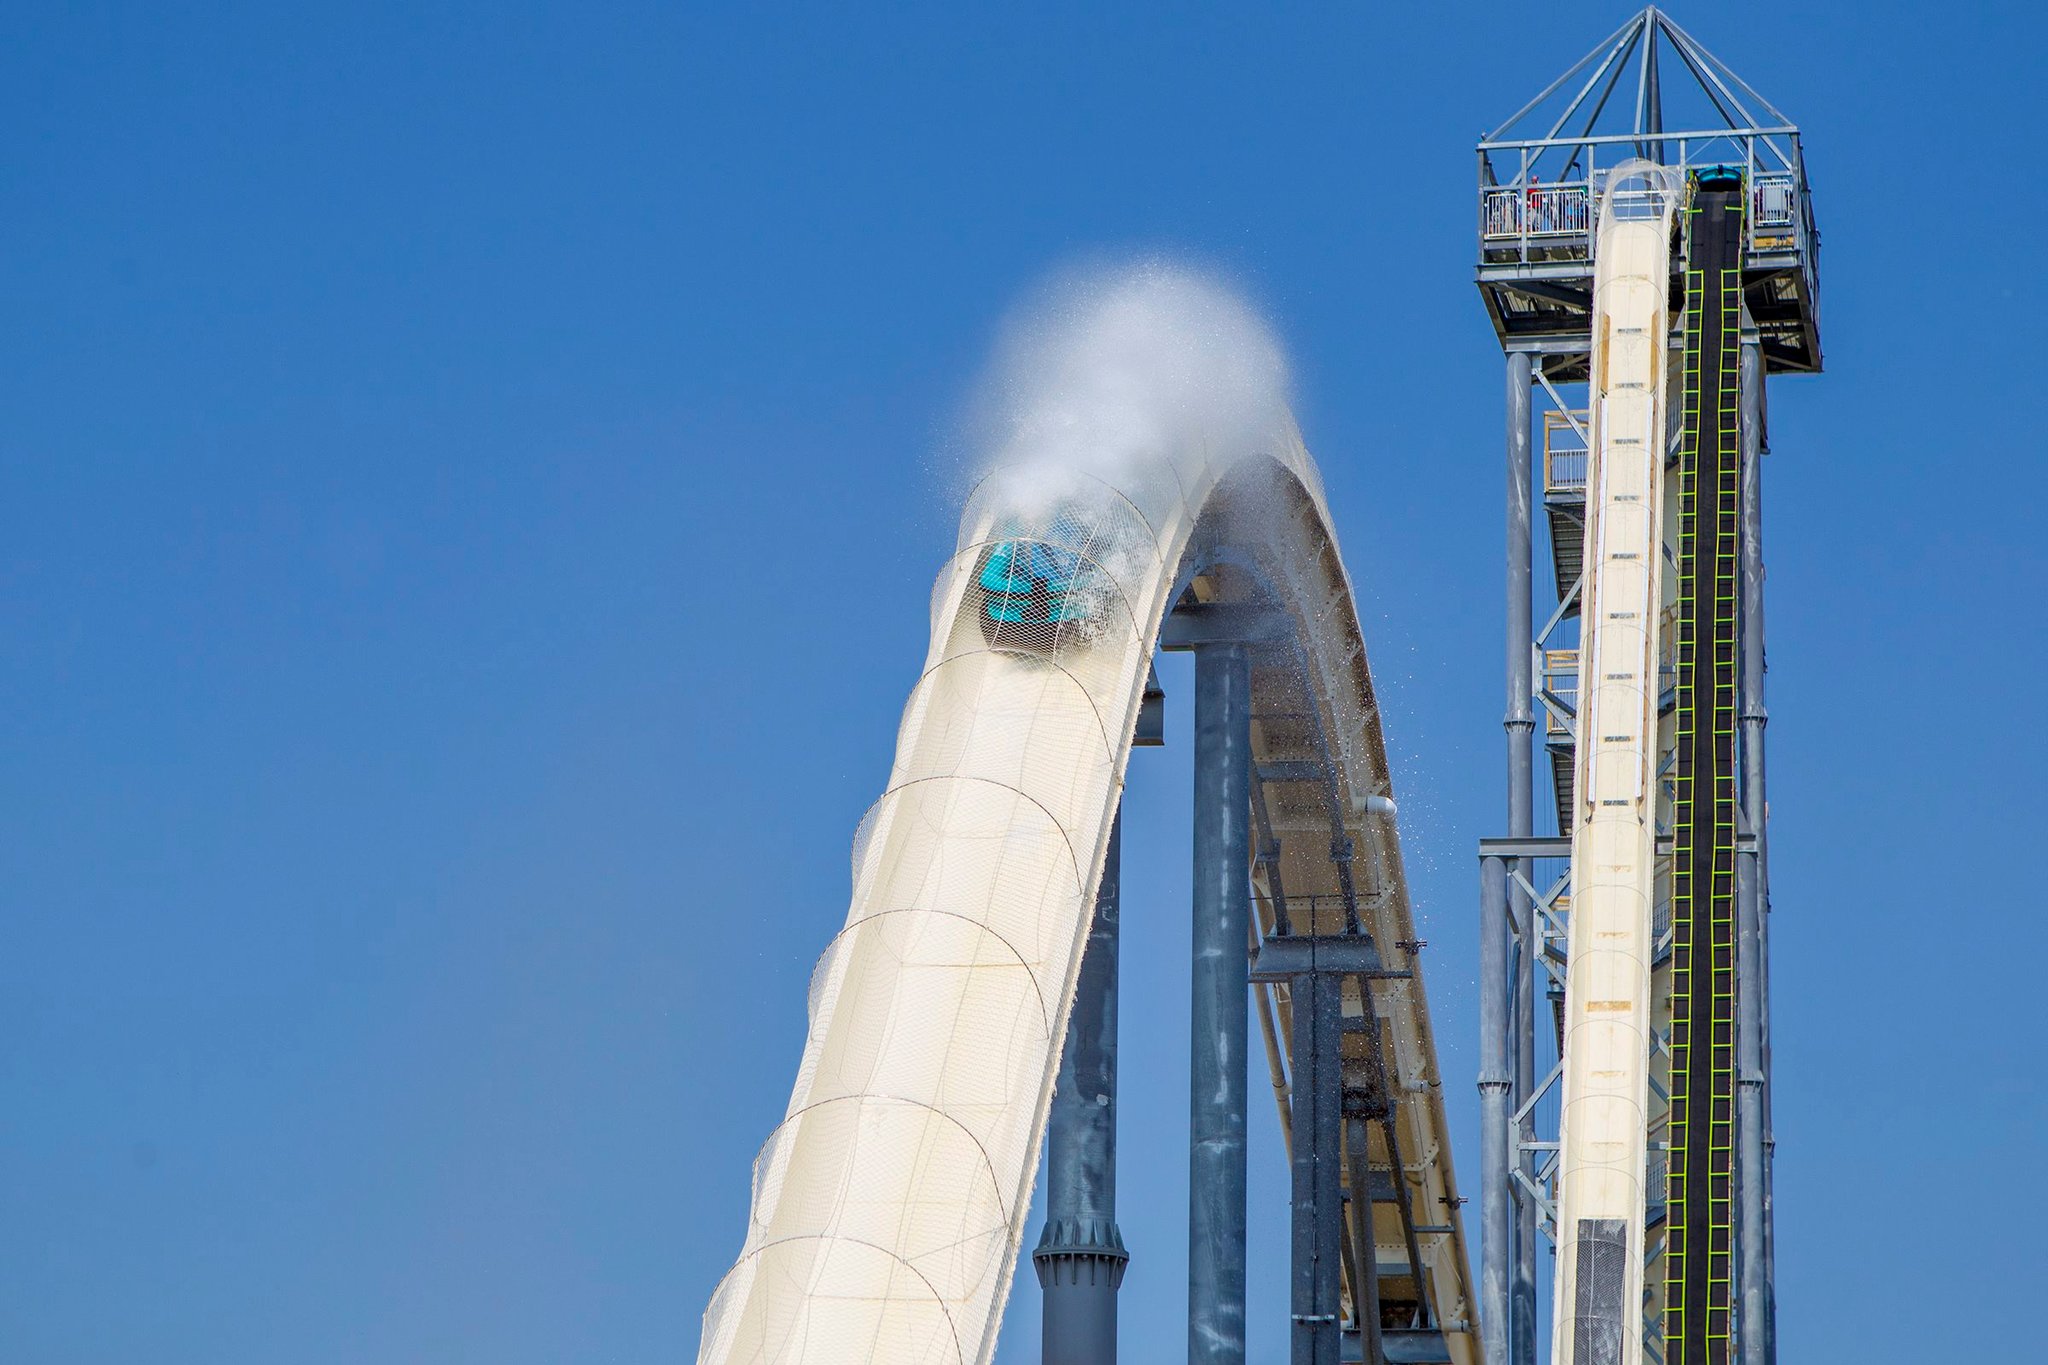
pixel 889 1205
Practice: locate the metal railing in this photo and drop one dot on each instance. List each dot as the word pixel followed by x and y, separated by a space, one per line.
pixel 1565 456
pixel 1773 201
pixel 1523 218
pixel 1510 212
pixel 1561 681
pixel 1555 215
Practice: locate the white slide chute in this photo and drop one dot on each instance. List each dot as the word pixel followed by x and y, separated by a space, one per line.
pixel 1607 1018
pixel 889 1204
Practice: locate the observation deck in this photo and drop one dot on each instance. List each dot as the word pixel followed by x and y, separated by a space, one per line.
pixel 1543 172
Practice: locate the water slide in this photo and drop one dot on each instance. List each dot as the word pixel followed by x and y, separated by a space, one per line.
pixel 889 1204
pixel 1607 1019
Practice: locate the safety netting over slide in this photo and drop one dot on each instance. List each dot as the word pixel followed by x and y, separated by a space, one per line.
pixel 1606 1081
pixel 889 1204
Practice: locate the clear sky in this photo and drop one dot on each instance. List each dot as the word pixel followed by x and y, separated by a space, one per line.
pixel 430 755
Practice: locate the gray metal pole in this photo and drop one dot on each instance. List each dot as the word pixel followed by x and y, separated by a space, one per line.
pixel 1080 1260
pixel 1753 969
pixel 1751 1278
pixel 1653 106
pixel 1522 1319
pixel 1217 1080
pixel 1520 720
pixel 1496 1206
pixel 1520 724
pixel 1365 1255
pixel 1316 1123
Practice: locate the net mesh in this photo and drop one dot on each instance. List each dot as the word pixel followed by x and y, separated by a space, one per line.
pixel 1605 1084
pixel 888 1204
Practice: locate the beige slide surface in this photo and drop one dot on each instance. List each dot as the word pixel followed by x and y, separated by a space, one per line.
pixel 1607 1020
pixel 889 1204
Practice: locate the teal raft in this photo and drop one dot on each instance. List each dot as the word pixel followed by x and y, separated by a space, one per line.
pixel 1028 589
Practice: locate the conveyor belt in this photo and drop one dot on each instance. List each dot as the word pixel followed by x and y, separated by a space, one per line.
pixel 1699 1221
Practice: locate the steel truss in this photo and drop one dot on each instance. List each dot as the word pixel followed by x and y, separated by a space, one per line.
pixel 1289 886
pixel 1535 275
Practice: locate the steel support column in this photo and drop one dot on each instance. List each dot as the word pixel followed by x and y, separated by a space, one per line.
pixel 1759 1309
pixel 1496 1202
pixel 1520 724
pixel 1751 1279
pixel 1217 1081
pixel 1522 1034
pixel 1316 1124
pixel 1653 95
pixel 1364 1253
pixel 1080 1260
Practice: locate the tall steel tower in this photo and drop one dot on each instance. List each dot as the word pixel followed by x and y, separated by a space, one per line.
pixel 1745 305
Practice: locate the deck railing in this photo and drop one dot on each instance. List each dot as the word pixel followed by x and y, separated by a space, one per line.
pixel 1560 680
pixel 1773 204
pixel 1535 211
pixel 1564 452
pixel 1523 219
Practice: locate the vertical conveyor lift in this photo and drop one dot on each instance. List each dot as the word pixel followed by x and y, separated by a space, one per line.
pixel 1699 1221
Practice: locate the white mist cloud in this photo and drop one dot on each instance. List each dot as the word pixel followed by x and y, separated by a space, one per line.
pixel 1122 372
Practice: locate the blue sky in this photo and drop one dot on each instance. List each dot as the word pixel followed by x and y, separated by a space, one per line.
pixel 422 427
